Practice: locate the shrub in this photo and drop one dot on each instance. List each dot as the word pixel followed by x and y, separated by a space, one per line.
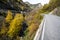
pixel 15 25
pixel 9 17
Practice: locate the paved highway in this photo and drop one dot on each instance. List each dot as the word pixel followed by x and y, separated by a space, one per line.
pixel 49 29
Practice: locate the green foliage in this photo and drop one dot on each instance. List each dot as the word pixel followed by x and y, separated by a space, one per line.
pixel 54 2
pixel 33 19
pixel 52 5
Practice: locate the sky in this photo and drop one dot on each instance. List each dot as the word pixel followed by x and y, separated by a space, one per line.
pixel 37 1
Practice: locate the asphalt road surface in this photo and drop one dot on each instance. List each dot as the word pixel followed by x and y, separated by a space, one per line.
pixel 49 29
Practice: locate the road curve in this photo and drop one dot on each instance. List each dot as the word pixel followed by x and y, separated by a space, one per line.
pixel 50 28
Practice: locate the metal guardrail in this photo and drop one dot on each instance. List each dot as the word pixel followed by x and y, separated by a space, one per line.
pixel 39 31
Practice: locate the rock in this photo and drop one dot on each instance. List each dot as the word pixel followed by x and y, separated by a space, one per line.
pixel 56 11
pixel 33 6
pixel 13 5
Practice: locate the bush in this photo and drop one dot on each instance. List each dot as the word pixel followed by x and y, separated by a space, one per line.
pixel 15 25
pixel 9 17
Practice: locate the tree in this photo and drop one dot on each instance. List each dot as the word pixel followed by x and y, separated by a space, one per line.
pixel 15 25
pixel 51 6
pixel 9 17
pixel 54 3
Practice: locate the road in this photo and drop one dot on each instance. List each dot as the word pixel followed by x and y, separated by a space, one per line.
pixel 50 28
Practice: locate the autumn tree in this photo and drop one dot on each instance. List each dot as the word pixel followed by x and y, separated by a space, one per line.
pixel 9 17
pixel 15 25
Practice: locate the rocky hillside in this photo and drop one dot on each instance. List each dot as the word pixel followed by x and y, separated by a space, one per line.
pixel 14 5
pixel 32 6
pixel 56 11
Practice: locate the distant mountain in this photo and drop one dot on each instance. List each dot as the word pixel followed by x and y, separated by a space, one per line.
pixel 32 6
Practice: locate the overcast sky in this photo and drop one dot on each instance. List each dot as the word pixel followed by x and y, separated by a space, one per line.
pixel 37 1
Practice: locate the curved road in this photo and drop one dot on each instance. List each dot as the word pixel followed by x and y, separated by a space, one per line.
pixel 49 28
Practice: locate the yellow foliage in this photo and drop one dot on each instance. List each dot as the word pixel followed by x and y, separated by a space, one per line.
pixel 15 25
pixel 32 28
pixel 3 29
pixel 9 17
pixel 33 20
pixel 22 7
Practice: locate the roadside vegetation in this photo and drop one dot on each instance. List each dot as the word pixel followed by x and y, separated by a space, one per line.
pixel 19 26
